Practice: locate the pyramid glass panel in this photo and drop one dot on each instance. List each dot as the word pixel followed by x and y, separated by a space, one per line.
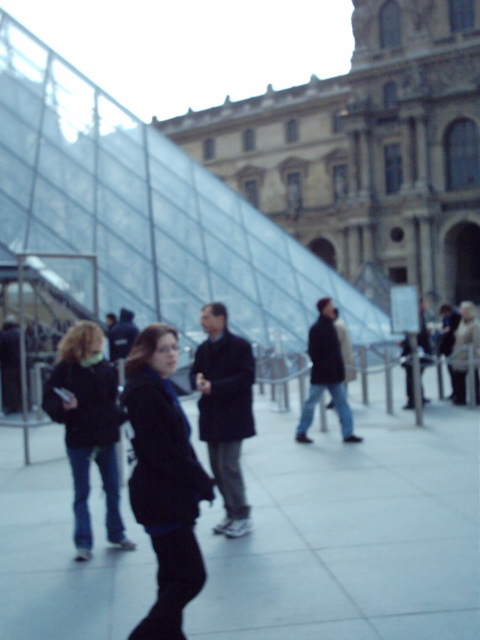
pixel 79 174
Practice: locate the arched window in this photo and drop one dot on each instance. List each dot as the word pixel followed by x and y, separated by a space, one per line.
pixel 462 15
pixel 390 25
pixel 208 149
pixel 291 131
pixel 249 140
pixel 462 148
pixel 389 95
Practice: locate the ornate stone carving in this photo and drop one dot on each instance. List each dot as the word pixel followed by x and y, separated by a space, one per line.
pixel 362 21
pixel 413 83
pixel 459 72
pixel 420 12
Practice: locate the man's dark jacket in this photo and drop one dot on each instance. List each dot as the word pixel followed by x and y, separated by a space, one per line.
pixel 167 480
pixel 226 414
pixel 122 335
pixel 448 339
pixel 325 352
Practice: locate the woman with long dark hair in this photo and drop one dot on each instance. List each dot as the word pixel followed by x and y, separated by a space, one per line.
pixel 167 481
pixel 87 406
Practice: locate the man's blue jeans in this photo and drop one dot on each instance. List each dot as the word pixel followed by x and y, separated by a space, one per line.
pixel 339 397
pixel 106 460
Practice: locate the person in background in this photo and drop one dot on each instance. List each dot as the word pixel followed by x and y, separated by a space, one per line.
pixel 110 322
pixel 122 335
pixel 92 421
pixel 450 321
pixel 10 366
pixel 224 373
pixel 167 480
pixel 467 333
pixel 425 349
pixel 328 372
pixel 347 351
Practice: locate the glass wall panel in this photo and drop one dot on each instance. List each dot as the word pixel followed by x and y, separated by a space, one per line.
pixel 67 219
pixel 17 135
pixel 225 229
pixel 123 220
pixel 113 297
pixel 274 267
pixel 121 180
pixel 67 175
pixel 171 187
pixel 264 229
pixel 130 267
pixel 176 224
pixel 23 98
pixel 13 222
pixel 189 272
pixel 169 155
pixel 16 178
pixel 24 54
pixel 214 191
pixel 232 268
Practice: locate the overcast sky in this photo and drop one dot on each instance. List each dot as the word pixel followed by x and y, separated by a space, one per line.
pixel 162 58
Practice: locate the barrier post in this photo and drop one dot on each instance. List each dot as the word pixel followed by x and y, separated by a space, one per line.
pixel 417 383
pixel 439 364
pixel 323 414
pixel 363 370
pixel 472 396
pixel 388 382
pixel 119 447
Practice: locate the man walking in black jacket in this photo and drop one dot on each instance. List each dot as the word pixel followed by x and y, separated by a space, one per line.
pixel 224 372
pixel 328 372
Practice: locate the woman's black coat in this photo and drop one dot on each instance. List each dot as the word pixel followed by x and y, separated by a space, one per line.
pixel 167 480
pixel 226 414
pixel 96 420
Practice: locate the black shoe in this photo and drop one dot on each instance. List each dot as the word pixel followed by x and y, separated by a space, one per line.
pixel 409 406
pixel 426 400
pixel 353 439
pixel 303 439
pixel 330 405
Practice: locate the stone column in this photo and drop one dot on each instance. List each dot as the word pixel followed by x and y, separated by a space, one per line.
pixel 354 250
pixel 407 155
pixel 422 154
pixel 346 252
pixel 425 257
pixel 364 159
pixel 411 250
pixel 353 171
pixel 368 250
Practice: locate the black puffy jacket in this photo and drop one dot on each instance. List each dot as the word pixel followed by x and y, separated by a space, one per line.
pixel 96 420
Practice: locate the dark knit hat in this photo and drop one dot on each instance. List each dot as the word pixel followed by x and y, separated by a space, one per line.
pixel 322 303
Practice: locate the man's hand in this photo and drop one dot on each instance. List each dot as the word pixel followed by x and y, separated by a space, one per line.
pixel 203 385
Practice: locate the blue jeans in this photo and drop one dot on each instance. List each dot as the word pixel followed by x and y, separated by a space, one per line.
pixel 339 397
pixel 106 460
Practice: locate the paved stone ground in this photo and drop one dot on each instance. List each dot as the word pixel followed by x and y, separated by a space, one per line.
pixel 378 541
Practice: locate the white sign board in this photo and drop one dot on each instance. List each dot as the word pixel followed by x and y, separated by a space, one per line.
pixel 404 309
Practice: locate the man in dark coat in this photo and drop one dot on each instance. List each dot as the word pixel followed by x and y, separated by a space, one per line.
pixel 224 372
pixel 122 335
pixel 450 322
pixel 328 372
pixel 10 366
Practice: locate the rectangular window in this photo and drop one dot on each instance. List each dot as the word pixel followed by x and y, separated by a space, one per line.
pixel 398 275
pixel 393 168
pixel 209 149
pixel 291 131
pixel 462 17
pixel 294 193
pixel 251 192
pixel 249 140
pixel 340 182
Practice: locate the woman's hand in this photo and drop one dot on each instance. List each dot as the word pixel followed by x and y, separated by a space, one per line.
pixel 72 404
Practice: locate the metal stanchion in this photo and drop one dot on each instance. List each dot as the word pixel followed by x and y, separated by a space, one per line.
pixel 439 365
pixel 417 382
pixel 119 447
pixel 388 382
pixel 472 399
pixel 363 370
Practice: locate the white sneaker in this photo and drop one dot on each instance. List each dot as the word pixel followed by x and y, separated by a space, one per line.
pixel 83 555
pixel 239 528
pixel 222 526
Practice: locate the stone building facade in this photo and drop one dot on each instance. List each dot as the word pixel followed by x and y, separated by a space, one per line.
pixel 380 165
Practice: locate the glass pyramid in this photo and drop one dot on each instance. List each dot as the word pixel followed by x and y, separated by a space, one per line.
pixel 79 174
